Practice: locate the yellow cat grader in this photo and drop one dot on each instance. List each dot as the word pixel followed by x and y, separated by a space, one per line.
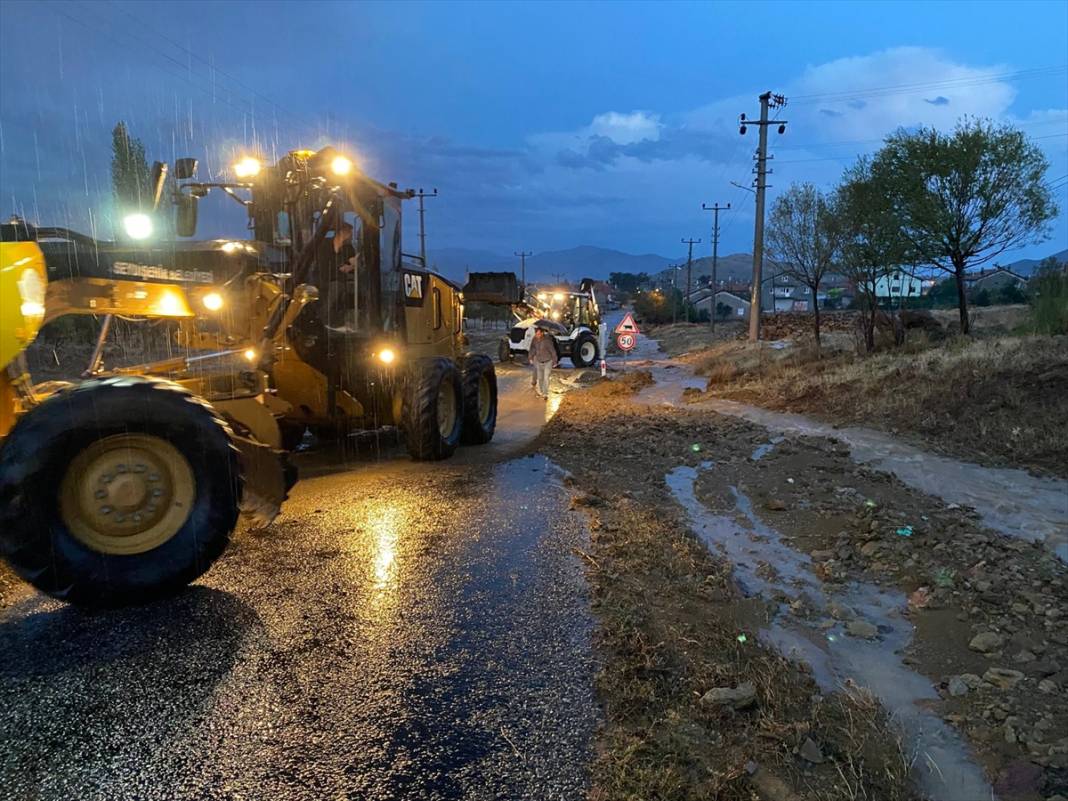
pixel 125 484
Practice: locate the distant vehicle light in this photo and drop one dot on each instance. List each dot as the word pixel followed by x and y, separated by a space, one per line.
pixel 250 354
pixel 386 356
pixel 542 296
pixel 137 226
pixel 247 167
pixel 556 315
pixel 212 301
pixel 341 165
pixel 558 296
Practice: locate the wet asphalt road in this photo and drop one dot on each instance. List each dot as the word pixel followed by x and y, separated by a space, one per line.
pixel 403 631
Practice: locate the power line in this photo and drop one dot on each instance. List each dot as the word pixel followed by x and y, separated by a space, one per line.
pixel 948 83
pixel 210 64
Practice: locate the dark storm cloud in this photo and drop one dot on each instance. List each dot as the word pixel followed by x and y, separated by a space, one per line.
pixel 938 101
pixel 672 144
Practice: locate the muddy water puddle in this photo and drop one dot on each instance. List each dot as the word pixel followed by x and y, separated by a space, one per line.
pixel 854 636
pixel 1009 501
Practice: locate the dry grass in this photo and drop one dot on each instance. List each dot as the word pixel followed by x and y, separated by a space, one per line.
pixel 996 400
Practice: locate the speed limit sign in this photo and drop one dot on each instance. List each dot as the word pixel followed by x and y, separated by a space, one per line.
pixel 626 341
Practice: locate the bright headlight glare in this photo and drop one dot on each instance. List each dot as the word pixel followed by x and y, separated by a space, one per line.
pixel 341 165
pixel 250 354
pixel 559 296
pixel 556 315
pixel 212 301
pixel 247 167
pixel 137 226
pixel 387 356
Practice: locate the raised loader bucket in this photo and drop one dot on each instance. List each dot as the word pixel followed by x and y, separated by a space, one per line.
pixel 498 288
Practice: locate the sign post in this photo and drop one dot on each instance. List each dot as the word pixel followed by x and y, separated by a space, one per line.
pixel 627 336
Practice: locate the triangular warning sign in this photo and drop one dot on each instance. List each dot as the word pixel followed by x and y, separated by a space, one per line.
pixel 627 325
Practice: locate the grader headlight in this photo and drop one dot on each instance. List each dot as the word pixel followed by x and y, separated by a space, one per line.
pixel 387 356
pixel 213 301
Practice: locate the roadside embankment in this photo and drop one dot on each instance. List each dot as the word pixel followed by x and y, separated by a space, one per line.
pixel 699 704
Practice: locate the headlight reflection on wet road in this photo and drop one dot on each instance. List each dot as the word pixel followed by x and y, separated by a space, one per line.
pixel 384 525
pixel 552 404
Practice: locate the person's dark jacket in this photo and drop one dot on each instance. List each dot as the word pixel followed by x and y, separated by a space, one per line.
pixel 542 349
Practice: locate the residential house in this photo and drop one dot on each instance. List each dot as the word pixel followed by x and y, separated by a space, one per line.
pixel 738 306
pixel 993 280
pixel 899 284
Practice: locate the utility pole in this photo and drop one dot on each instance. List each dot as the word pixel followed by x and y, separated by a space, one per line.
pixel 523 264
pixel 715 209
pixel 689 273
pixel 674 289
pixel 422 227
pixel 767 101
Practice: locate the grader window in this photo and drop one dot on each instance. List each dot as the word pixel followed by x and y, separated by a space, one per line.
pixel 437 308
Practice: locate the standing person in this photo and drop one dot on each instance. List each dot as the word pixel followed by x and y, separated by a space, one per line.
pixel 543 357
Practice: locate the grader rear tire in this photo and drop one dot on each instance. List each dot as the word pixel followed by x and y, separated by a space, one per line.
pixel 480 399
pixel 117 491
pixel 504 351
pixel 432 412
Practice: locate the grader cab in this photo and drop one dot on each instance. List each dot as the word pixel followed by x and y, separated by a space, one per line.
pixel 126 483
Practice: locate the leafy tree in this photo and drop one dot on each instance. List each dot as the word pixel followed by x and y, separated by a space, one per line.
pixel 658 306
pixel 628 282
pixel 723 311
pixel 1011 293
pixel 1049 301
pixel 872 244
pixel 129 169
pixel 966 197
pixel 943 294
pixel 803 236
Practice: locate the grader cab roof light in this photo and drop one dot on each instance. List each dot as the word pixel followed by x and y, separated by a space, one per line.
pixel 137 226
pixel 387 356
pixel 341 165
pixel 247 167
pixel 250 354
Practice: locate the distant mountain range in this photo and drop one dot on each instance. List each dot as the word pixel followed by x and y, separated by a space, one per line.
pixel 587 261
pixel 573 264
pixel 1027 266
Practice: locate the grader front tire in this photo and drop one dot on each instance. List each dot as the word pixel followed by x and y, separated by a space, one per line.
pixel 433 409
pixel 117 491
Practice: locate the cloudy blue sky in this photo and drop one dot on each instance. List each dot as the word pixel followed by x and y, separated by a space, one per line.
pixel 543 125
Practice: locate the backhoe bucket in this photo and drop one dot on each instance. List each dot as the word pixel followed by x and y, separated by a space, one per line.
pixel 496 288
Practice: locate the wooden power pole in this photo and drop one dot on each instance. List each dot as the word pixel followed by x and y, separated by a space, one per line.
pixel 767 101
pixel 715 208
